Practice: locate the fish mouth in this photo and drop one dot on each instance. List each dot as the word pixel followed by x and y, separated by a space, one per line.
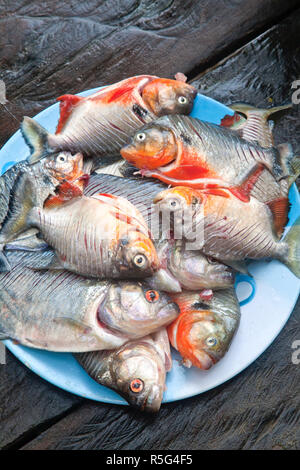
pixel 227 275
pixel 204 360
pixel 169 312
pixel 152 402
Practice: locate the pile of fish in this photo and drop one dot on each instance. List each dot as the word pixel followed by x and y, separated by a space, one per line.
pixel 99 257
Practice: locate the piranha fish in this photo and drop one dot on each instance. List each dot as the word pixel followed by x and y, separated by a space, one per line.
pixel 100 236
pixel 204 330
pixel 252 123
pixel 26 185
pixel 181 150
pixel 230 228
pixel 100 124
pixel 65 312
pixel 136 370
pixel 182 268
pixel 191 268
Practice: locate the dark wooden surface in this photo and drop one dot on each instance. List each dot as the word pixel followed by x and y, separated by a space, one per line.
pixel 232 51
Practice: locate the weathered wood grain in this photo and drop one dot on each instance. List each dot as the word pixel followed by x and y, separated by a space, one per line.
pixel 28 404
pixel 58 47
pixel 258 409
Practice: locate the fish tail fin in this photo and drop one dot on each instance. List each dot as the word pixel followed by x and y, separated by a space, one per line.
pixel 247 109
pixel 37 138
pixel 4 264
pixel 66 105
pixel 292 260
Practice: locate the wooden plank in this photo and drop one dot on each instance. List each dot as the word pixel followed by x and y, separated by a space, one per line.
pixel 57 48
pixel 258 409
pixel 28 404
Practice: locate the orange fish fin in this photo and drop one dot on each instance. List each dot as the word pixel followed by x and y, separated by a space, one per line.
pixel 279 208
pixel 67 102
pixel 66 192
pixel 229 121
pixel 243 191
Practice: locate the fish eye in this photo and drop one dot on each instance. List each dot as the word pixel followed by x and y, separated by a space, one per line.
pixel 141 136
pixel 212 260
pixel 152 295
pixel 61 158
pixel 211 341
pixel 136 385
pixel 140 260
pixel 173 203
pixel 182 100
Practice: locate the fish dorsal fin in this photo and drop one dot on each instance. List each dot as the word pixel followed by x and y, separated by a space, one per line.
pixel 279 208
pixel 36 137
pixel 66 105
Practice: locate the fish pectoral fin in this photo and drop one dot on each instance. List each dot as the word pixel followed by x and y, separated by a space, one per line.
pixel 243 190
pixel 36 137
pixel 4 264
pixel 238 265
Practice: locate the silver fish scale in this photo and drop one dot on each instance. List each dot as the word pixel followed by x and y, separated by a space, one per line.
pixel 222 147
pixel 139 192
pixel 230 239
pixel 82 245
pixel 29 296
pixel 93 131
